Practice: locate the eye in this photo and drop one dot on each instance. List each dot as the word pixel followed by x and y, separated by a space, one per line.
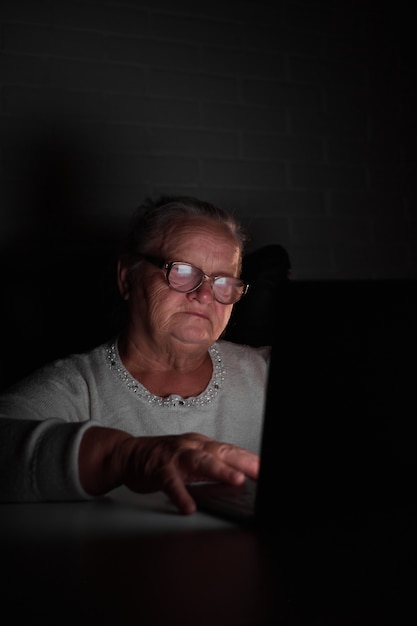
pixel 183 271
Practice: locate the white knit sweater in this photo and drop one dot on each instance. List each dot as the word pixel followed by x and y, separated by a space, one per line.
pixel 44 417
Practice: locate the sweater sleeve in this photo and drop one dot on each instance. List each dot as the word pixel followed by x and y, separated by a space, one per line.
pixel 42 421
pixel 39 460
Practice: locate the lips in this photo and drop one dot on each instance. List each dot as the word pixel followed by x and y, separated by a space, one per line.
pixel 197 314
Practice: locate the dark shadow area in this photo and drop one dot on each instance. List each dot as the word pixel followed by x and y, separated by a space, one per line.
pixel 255 317
pixel 58 274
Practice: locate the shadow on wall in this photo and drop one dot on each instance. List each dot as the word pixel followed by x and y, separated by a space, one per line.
pixel 58 279
pixel 255 317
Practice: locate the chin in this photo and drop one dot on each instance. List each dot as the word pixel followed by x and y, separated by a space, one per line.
pixel 195 339
pixel 196 333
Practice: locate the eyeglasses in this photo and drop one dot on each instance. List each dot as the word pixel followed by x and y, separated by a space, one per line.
pixel 185 278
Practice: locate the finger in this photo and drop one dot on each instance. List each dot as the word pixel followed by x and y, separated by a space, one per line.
pixel 237 458
pixel 176 490
pixel 197 465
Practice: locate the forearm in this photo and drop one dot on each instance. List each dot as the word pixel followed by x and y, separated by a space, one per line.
pixel 100 461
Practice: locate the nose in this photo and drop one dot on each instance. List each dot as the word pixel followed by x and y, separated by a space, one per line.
pixel 205 290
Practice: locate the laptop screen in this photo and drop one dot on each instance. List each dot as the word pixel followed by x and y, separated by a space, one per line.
pixel 341 404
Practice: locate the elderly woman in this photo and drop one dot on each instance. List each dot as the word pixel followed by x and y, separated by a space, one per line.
pixel 166 402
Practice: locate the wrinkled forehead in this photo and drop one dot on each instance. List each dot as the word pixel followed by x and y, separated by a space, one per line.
pixel 199 234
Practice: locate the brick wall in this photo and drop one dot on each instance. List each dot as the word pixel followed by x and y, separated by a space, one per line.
pixel 297 115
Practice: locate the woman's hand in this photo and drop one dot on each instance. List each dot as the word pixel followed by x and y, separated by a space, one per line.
pixel 109 458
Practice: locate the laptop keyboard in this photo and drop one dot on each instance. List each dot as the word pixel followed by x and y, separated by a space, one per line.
pixel 221 498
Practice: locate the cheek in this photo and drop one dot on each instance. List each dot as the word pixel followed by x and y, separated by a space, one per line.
pixel 146 298
pixel 160 305
pixel 155 297
pixel 223 313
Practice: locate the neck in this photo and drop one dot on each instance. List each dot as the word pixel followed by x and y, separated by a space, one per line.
pixel 183 358
pixel 185 373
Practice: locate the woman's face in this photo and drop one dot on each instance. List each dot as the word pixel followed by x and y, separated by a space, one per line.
pixel 172 318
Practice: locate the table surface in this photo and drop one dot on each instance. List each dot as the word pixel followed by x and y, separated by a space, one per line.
pixel 132 559
pixel 120 512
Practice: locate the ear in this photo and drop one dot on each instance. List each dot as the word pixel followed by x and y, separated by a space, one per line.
pixel 123 281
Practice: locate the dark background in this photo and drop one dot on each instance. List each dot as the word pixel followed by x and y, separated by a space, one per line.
pixel 299 116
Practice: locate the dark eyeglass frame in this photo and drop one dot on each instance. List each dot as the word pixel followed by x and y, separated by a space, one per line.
pixel 167 266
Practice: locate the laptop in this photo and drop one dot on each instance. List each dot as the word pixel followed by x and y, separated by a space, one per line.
pixel 339 425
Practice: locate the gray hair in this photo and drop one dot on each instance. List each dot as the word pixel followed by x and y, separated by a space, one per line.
pixel 154 219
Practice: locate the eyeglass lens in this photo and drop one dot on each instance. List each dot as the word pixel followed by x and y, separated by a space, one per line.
pixel 184 277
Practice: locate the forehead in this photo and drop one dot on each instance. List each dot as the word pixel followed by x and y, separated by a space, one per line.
pixel 200 238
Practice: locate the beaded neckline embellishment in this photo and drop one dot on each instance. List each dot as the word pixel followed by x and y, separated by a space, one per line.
pixel 216 382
